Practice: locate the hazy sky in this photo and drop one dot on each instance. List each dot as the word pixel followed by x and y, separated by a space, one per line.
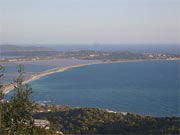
pixel 89 21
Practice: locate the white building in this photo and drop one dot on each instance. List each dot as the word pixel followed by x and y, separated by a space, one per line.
pixel 42 123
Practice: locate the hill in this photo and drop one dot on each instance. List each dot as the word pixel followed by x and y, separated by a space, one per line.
pixel 14 50
pixel 99 121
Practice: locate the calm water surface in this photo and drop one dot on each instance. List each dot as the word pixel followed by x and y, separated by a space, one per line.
pixel 33 67
pixel 148 88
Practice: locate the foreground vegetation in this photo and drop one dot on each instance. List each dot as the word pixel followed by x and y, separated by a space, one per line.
pixel 98 121
pixel 17 117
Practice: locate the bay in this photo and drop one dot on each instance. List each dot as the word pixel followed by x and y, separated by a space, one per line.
pixel 147 88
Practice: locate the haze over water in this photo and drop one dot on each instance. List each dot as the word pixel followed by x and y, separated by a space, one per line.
pixel 150 88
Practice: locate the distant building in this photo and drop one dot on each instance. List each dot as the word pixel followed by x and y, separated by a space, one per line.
pixel 12 60
pixel 164 55
pixel 59 132
pixel 48 110
pixel 150 56
pixel 92 55
pixel 159 55
pixel 110 111
pixel 124 113
pixel 33 59
pixel 42 123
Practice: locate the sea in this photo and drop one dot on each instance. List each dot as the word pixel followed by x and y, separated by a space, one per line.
pixel 34 67
pixel 145 88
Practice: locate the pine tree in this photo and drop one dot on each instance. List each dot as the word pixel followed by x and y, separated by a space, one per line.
pixel 18 117
pixel 1 98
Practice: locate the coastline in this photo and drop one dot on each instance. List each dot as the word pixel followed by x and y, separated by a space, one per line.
pixel 8 87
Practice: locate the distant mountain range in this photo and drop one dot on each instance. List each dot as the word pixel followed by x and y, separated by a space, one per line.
pixel 41 52
pixel 14 50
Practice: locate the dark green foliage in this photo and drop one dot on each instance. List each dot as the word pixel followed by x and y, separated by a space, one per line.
pixel 1 75
pixel 16 115
pixel 52 108
pixel 18 112
pixel 98 121
pixel 1 97
pixel 101 55
pixel 17 118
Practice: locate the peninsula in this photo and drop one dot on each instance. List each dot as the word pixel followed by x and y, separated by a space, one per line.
pixel 8 87
pixel 18 54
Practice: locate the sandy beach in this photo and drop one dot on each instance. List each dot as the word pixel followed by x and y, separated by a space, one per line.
pixel 8 87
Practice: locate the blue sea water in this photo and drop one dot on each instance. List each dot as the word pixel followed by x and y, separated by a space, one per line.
pixel 147 88
pixel 33 67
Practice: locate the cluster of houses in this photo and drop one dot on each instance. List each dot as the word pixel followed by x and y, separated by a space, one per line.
pixel 19 59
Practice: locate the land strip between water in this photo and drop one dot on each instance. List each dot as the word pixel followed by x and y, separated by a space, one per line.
pixel 8 87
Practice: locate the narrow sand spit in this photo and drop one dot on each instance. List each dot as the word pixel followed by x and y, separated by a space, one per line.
pixel 8 87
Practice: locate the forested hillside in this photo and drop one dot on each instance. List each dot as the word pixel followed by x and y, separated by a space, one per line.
pixel 98 121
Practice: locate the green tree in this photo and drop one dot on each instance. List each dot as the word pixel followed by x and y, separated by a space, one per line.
pixel 1 98
pixel 18 117
pixel 1 74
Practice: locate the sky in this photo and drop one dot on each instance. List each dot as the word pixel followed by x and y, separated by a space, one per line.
pixel 89 22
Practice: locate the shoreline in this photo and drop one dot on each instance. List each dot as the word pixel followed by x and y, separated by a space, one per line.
pixel 8 87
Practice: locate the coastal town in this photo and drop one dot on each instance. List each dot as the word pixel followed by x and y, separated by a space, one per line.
pixel 46 114
pixel 90 67
pixel 34 54
pixel 17 54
